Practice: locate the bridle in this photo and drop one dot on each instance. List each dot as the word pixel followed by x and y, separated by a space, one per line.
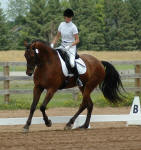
pixel 35 57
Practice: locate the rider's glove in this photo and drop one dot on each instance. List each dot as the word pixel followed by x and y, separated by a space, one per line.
pixel 52 45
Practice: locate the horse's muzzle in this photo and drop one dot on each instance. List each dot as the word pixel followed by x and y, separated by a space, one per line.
pixel 30 70
pixel 29 73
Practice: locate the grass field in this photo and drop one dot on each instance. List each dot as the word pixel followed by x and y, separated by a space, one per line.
pixel 59 100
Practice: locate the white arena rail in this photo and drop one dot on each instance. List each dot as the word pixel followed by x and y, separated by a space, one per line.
pixel 134 118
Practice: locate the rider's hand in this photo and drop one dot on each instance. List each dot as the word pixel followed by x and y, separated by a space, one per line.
pixel 67 47
pixel 52 45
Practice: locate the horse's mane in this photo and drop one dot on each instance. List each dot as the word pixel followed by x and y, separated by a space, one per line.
pixel 39 40
pixel 45 43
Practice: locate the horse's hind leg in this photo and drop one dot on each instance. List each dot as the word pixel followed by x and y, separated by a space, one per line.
pixel 71 121
pixel 89 104
pixel 48 97
pixel 86 103
pixel 36 96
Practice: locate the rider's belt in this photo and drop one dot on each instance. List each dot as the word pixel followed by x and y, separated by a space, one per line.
pixel 67 42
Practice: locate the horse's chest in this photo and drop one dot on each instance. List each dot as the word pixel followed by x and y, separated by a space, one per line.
pixel 42 79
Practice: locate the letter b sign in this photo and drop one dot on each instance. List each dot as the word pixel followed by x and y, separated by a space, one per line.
pixel 135 109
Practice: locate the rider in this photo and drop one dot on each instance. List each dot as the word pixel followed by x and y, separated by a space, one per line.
pixel 69 36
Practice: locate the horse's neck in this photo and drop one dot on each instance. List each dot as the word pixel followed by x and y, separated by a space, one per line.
pixel 47 54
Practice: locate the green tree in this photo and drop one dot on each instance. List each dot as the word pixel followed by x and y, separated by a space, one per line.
pixel 64 4
pixel 16 19
pixel 89 19
pixel 34 21
pixel 102 24
pixel 119 34
pixel 3 32
pixel 97 26
pixel 134 8
pixel 54 17
pixel 42 20
pixel 17 8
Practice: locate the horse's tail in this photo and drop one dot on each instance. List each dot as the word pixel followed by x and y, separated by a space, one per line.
pixel 112 85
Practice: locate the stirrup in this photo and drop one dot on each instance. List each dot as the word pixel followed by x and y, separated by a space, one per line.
pixel 79 83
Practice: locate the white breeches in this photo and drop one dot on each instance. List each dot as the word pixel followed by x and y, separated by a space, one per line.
pixel 71 53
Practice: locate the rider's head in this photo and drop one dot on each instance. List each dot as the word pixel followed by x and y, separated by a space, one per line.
pixel 68 13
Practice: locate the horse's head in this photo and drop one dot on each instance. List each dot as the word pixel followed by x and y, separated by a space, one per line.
pixel 37 53
pixel 30 55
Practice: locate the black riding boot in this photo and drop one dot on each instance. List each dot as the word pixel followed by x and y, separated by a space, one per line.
pixel 76 77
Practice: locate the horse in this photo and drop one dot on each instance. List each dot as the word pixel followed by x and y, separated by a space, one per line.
pixel 44 63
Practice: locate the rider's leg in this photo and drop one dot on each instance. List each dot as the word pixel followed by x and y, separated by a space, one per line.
pixel 72 54
pixel 76 77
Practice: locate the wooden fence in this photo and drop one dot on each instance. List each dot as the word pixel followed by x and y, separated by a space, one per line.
pixel 6 78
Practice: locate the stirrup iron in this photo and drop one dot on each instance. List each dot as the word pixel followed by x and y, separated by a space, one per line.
pixel 79 82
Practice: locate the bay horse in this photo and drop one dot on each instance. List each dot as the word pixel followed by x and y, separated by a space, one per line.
pixel 44 63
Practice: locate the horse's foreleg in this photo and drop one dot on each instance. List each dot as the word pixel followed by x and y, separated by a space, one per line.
pixel 48 97
pixel 36 96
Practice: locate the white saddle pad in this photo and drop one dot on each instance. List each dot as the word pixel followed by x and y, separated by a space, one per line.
pixel 81 67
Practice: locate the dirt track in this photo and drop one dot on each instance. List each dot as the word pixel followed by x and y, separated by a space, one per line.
pixel 92 139
pixel 101 136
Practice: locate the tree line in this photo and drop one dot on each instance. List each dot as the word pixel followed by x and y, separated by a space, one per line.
pixel 102 24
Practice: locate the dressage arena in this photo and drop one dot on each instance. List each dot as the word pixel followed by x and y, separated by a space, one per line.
pixel 101 136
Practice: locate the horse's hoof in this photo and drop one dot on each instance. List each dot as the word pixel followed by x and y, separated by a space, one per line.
pixel 25 130
pixel 67 127
pixel 82 127
pixel 48 123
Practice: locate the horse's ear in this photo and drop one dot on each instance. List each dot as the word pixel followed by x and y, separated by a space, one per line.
pixel 25 43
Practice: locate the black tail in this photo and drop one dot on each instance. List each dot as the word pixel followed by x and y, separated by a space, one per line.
pixel 112 85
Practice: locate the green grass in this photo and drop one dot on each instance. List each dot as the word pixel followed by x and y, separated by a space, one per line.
pixel 60 100
pixel 124 67
pixel 19 85
pixel 23 101
pixel 23 68
pixel 14 68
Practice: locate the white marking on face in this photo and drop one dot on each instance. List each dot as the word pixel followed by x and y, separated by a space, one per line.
pixel 37 51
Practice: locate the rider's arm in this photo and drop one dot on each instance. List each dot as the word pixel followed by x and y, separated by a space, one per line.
pixel 55 39
pixel 74 43
pixel 76 40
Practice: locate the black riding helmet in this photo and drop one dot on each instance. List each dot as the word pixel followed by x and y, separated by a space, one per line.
pixel 68 13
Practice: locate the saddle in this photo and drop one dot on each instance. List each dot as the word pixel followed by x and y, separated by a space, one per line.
pixel 65 57
pixel 67 70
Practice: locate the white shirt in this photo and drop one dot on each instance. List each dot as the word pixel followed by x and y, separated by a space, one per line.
pixel 67 31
